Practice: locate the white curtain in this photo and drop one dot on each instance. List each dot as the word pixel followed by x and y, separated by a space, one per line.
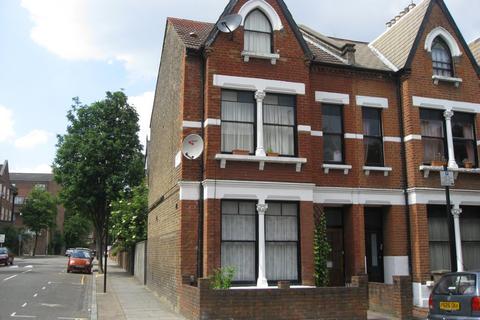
pixel 432 147
pixel 470 229
pixel 237 134
pixel 238 238
pixel 279 122
pixel 281 223
pixel 258 33
pixel 439 245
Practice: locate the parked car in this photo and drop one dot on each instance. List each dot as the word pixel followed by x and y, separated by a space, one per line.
pixel 79 260
pixel 456 297
pixel 68 252
pixel 90 252
pixel 6 256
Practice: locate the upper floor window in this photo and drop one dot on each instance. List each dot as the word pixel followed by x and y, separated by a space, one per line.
pixel 332 122
pixel 441 58
pixel 279 124
pixel 433 135
pixel 258 33
pixel 238 121
pixel 373 137
pixel 464 144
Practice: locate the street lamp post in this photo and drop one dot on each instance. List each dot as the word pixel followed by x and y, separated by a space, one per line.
pixel 447 180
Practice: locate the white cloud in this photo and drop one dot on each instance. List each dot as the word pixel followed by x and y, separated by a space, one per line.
pixel 143 104
pixel 6 124
pixel 32 139
pixel 41 168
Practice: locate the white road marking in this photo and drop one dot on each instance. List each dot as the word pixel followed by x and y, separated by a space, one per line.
pixel 35 295
pixel 24 305
pixel 49 282
pixel 6 279
pixel 28 267
pixel 50 305
pixel 13 267
pixel 27 271
pixel 43 288
pixel 65 318
pixel 14 315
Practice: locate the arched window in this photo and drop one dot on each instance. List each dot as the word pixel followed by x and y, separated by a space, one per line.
pixel 258 33
pixel 441 58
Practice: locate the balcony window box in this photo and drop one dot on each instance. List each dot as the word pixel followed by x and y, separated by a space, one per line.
pixel 240 152
pixel 467 164
pixel 271 153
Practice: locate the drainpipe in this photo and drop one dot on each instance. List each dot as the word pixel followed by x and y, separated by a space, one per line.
pixel 403 155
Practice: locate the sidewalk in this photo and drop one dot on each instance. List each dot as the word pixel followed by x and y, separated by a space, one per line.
pixel 126 299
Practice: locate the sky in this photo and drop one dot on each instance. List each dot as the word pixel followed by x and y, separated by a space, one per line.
pixel 54 50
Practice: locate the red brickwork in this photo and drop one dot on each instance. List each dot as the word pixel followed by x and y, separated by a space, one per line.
pixel 394 299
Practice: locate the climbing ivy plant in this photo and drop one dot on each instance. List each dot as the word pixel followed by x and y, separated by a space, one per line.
pixel 322 248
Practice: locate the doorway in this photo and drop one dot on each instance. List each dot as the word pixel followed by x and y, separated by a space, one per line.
pixel 374 244
pixel 335 264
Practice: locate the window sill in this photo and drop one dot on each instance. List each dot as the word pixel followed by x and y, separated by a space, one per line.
pixel 298 162
pixel 345 167
pixel 456 81
pixel 273 57
pixel 386 170
pixel 427 169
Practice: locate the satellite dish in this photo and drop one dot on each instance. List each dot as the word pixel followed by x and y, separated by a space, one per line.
pixel 192 147
pixel 229 23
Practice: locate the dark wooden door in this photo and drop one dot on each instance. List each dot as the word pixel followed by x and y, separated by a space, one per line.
pixel 374 248
pixel 335 261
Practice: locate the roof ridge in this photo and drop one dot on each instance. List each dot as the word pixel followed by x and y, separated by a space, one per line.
pixel 190 20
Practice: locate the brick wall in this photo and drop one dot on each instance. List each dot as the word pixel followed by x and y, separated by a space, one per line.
pixel 395 299
pixel 276 304
pixel 164 222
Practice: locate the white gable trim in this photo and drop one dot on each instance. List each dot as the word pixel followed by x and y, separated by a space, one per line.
pixel 332 97
pixel 382 58
pixel 373 102
pixel 443 104
pixel 447 37
pixel 266 8
pixel 257 84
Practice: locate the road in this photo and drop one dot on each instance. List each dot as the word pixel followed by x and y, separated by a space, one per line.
pixel 41 288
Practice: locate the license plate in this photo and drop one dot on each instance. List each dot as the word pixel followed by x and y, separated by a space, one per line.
pixel 450 306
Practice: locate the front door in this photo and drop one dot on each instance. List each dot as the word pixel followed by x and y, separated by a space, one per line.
pixel 374 244
pixel 335 262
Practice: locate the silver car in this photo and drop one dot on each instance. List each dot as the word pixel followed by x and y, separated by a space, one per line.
pixel 456 297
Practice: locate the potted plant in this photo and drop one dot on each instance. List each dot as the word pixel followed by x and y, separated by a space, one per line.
pixel 241 152
pixel 467 164
pixel 271 153
pixel 438 160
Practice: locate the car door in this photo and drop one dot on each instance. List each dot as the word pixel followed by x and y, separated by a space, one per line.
pixel 453 295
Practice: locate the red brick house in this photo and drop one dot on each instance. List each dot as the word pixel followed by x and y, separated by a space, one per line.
pixel 6 195
pixel 356 128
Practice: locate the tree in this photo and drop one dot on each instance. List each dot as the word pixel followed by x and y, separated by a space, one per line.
pixel 321 248
pixel 39 212
pixel 77 228
pixel 130 217
pixel 98 157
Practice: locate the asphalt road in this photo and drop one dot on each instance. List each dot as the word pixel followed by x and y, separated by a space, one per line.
pixel 41 288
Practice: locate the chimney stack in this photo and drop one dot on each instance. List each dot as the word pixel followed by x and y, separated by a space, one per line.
pixel 349 52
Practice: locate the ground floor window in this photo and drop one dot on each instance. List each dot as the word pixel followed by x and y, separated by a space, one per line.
pixel 281 236
pixel 239 248
pixel 470 229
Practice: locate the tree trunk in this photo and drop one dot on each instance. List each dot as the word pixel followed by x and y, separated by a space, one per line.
pixel 35 244
pixel 99 250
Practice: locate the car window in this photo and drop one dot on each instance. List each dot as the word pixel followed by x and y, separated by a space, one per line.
pixel 80 254
pixel 463 284
pixel 3 250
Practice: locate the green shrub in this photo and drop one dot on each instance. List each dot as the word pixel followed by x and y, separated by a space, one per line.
pixel 222 278
pixel 321 249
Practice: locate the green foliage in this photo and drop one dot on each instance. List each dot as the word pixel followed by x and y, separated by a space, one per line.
pixel 40 210
pixel 322 251
pixel 222 278
pixel 11 237
pixel 130 216
pixel 98 157
pixel 116 249
pixel 77 228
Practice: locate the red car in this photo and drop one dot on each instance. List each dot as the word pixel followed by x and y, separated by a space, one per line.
pixel 79 261
pixel 6 257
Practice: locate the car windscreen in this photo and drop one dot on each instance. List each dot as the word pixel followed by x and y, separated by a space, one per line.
pixel 3 250
pixel 80 255
pixel 458 284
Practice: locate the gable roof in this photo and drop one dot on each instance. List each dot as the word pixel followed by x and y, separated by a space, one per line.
pixel 397 42
pixel 475 48
pixel 193 33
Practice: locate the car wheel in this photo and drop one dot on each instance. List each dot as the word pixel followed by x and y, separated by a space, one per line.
pixel 68 271
pixel 6 263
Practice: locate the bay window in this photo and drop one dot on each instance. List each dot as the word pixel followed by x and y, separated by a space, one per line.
pixel 238 121
pixel 281 237
pixel 433 135
pixel 372 136
pixel 279 124
pixel 332 123
pixel 464 138
pixel 239 239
